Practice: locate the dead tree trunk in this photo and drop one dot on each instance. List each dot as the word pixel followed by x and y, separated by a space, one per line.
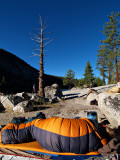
pixel 39 38
pixel 41 72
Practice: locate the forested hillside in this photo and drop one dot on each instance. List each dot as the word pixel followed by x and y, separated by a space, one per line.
pixel 18 76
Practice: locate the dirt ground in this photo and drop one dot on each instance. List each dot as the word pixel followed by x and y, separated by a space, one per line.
pixel 75 105
pixel 65 108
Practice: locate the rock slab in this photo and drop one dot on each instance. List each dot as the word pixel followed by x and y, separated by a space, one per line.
pixel 109 104
pixel 8 105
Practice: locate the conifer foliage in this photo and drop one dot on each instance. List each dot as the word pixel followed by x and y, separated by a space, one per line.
pixel 111 49
pixel 88 75
pixel 69 79
pixel 101 61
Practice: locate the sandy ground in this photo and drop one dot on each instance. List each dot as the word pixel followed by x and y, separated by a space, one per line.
pixel 70 108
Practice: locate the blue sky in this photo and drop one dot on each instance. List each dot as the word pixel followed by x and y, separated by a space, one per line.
pixel 76 26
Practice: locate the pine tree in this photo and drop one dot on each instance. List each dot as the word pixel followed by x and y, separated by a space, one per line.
pixel 98 82
pixel 69 78
pixel 101 61
pixel 81 82
pixel 88 75
pixel 113 80
pixel 109 64
pixel 112 41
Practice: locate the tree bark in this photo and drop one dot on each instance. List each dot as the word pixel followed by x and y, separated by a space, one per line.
pixel 108 77
pixel 41 72
pixel 116 67
pixel 103 78
pixel 39 38
pixel 103 70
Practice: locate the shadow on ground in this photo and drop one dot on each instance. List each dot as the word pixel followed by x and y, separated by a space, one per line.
pixel 70 96
pixel 37 108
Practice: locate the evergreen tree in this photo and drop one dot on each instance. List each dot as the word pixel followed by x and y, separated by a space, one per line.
pixel 69 79
pixel 98 82
pixel 88 75
pixel 112 41
pixel 101 61
pixel 109 65
pixel 76 82
pixel 113 80
pixel 81 82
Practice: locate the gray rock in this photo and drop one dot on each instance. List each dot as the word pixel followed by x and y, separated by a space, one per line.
pixel 94 102
pixel 7 104
pixel 53 92
pixel 22 107
pixel 37 100
pixel 19 97
pixel 109 104
pixel 92 98
pixel 17 100
pixel 24 95
pixel 1 107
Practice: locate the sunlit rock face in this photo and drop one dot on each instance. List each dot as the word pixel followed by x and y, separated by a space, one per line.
pixel 53 92
pixel 109 104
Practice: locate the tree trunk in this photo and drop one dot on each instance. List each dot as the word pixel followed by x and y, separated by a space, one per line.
pixel 103 70
pixel 116 67
pixel 41 73
pixel 103 78
pixel 39 38
pixel 108 77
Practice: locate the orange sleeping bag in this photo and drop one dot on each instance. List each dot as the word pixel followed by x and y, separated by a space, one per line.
pixel 56 134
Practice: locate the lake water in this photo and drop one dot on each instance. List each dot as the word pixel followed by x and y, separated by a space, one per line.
pixel 64 90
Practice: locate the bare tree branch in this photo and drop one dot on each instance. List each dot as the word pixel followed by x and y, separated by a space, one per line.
pixel 45 27
pixel 48 42
pixel 45 21
pixel 40 38
pixel 37 50
pixel 38 44
pixel 46 38
pixel 35 54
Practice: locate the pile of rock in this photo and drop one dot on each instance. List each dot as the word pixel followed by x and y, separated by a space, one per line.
pixel 18 103
pixel 53 93
pixel 23 102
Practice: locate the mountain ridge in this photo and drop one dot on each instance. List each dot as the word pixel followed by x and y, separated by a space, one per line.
pixel 18 76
